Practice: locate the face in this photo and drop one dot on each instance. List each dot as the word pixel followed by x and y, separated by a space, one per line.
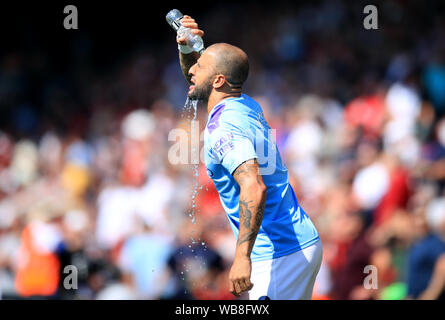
pixel 202 75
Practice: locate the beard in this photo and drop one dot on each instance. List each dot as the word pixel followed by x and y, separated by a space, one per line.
pixel 201 92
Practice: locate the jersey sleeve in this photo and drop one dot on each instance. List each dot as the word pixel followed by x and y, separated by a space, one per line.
pixel 232 142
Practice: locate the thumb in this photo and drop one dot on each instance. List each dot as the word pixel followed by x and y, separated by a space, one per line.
pixel 181 40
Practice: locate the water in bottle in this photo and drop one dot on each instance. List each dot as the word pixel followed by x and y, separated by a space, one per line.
pixel 174 20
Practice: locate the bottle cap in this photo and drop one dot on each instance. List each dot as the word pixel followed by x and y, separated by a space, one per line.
pixel 173 18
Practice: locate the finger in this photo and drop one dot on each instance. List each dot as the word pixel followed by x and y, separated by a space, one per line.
pixel 232 288
pixel 242 287
pixel 187 18
pixel 181 40
pixel 190 25
pixel 187 21
pixel 238 288
pixel 247 285
pixel 197 32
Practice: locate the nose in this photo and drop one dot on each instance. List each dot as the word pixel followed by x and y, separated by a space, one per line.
pixel 192 70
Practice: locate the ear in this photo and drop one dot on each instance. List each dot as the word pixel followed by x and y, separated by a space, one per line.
pixel 219 81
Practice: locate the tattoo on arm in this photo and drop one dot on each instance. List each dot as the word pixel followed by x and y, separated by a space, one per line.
pixel 187 61
pixel 260 214
pixel 249 236
pixel 252 231
pixel 251 205
pixel 245 213
pixel 245 170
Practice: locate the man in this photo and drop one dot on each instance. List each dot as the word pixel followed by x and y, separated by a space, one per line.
pixel 278 251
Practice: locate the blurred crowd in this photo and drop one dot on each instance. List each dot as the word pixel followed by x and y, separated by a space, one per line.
pixel 87 177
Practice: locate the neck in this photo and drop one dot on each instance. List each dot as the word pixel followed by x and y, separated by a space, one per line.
pixel 216 97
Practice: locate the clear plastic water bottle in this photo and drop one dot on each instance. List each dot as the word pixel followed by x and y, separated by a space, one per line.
pixel 174 19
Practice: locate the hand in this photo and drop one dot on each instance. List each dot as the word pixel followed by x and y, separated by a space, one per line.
pixel 190 23
pixel 239 276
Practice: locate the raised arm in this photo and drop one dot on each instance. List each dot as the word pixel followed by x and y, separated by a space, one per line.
pixel 251 211
pixel 188 60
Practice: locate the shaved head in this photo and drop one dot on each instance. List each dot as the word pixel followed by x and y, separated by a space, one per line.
pixel 221 68
pixel 230 61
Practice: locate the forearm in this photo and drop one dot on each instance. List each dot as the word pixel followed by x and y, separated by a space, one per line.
pixel 251 211
pixel 252 202
pixel 187 61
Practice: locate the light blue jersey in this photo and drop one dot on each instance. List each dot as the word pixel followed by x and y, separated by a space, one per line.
pixel 236 131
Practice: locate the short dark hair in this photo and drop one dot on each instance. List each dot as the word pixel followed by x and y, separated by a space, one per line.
pixel 232 62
